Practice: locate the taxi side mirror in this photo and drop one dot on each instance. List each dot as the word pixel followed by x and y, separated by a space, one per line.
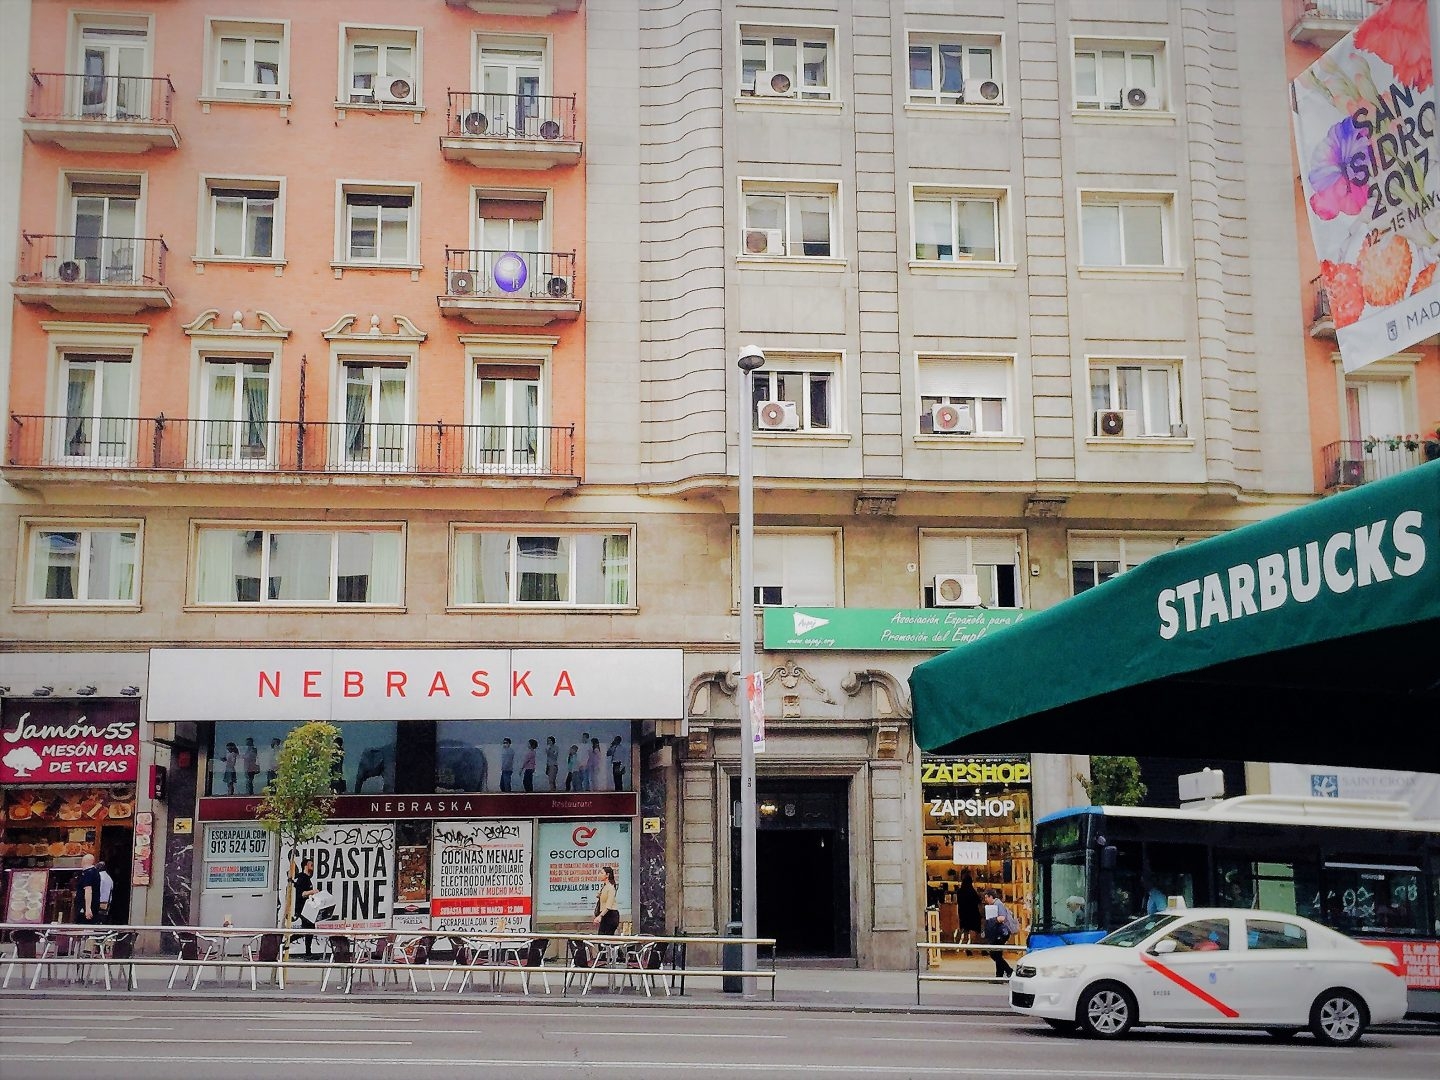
pixel 1163 946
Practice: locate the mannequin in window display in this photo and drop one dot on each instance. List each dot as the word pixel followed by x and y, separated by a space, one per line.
pixel 527 765
pixel 573 778
pixel 595 768
pixel 552 762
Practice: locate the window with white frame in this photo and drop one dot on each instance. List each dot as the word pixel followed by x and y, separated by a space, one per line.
pixel 505 404
pixel 299 564
pixel 237 396
pixel 249 61
pixel 1124 229
pixel 954 71
pixel 381 65
pixel 96 394
pixel 958 226
pixel 962 395
pixel 374 431
pixel 993 559
pixel 806 389
pixel 786 62
pixel 795 568
pixel 789 220
pixel 578 568
pixel 1095 558
pixel 115 60
pixel 1106 73
pixel 511 74
pixel 379 224
pixel 1136 398
pixel 83 562
pixel 106 245
pixel 243 217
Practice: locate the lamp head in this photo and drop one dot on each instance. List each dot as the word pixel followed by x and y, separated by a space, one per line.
pixel 751 357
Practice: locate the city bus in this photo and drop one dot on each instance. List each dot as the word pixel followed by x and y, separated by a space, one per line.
pixel 1367 868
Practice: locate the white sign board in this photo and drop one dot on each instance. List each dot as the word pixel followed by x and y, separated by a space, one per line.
pixel 415 684
pixel 568 866
pixel 970 853
pixel 355 864
pixel 480 876
pixel 237 857
pixel 1419 790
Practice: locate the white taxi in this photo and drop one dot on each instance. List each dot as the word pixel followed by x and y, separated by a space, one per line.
pixel 1214 966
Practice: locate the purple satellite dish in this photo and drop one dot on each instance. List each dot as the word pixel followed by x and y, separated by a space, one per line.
pixel 510 272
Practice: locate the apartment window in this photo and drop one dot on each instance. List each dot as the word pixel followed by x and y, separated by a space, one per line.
pixel 581 568
pixel 243 216
pixel 791 221
pixel 510 224
pixel 795 568
pixel 954 72
pixel 83 563
pixel 249 61
pixel 957 227
pixel 96 393
pixel 376 432
pixel 379 225
pixel 785 63
pixel 964 395
pixel 236 428
pixel 511 76
pixel 381 65
pixel 1117 76
pixel 1144 394
pixel 114 59
pixel 298 565
pixel 1096 558
pixel 804 387
pixel 506 434
pixel 993 558
pixel 1118 230
pixel 105 241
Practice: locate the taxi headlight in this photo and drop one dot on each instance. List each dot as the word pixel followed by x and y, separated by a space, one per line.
pixel 1060 971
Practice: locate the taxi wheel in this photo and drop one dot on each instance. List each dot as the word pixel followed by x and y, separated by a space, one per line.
pixel 1106 1011
pixel 1338 1018
pixel 1063 1026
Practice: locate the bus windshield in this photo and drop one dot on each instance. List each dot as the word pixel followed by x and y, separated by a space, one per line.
pixel 1133 933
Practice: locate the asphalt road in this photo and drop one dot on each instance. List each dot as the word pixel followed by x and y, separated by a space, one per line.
pixel 218 1040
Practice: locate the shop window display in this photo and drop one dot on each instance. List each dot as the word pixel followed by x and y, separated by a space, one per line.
pixel 243 757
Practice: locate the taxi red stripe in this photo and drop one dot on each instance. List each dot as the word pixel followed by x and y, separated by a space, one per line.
pixel 1186 984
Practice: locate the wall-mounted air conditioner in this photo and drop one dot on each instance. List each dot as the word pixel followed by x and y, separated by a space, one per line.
pixel 988 92
pixel 397 92
pixel 1137 97
pixel 952 420
pixel 475 123
pixel 777 416
pixel 764 242
pixel 73 270
pixel 953 589
pixel 1121 423
pixel 459 283
pixel 775 84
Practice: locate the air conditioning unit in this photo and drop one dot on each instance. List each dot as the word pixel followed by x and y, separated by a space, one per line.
pixel 1117 422
pixel 398 92
pixel 557 287
pixel 952 419
pixel 989 93
pixel 764 242
pixel 777 416
pixel 459 283
pixel 475 123
pixel 957 590
pixel 549 131
pixel 1137 97
pixel 72 270
pixel 774 84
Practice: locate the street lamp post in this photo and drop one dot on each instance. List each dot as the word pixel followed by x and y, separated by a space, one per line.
pixel 750 358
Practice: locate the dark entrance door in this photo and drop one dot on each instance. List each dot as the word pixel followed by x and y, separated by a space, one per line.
pixel 802 866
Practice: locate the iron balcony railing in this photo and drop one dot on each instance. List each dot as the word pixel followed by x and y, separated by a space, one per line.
pixel 498 274
pixel 291 446
pixel 1349 10
pixel 1351 462
pixel 119 98
pixel 545 117
pixel 1319 302
pixel 93 260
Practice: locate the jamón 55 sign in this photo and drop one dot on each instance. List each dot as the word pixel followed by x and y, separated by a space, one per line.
pixel 356 865
pixel 70 742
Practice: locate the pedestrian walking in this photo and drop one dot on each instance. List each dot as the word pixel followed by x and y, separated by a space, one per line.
pixel 1000 924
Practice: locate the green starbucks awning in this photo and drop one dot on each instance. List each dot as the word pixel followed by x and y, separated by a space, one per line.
pixel 1313 636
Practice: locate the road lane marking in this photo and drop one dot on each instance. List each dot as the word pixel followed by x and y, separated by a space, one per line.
pixel 629 1033
pixel 247 1042
pixel 40 1039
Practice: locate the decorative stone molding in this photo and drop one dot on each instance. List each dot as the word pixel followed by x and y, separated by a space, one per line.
pixel 405 330
pixel 790 677
pixel 203 325
pixel 891 698
pixel 699 697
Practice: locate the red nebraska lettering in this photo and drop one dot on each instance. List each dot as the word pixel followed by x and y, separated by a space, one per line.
pixel 312 690
pixel 518 683
pixel 395 684
pixel 354 684
pixel 269 683
pixel 438 685
pixel 482 688
pixel 564 683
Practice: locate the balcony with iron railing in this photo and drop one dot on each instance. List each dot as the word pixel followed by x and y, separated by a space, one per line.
pixel 517 7
pixel 510 131
pixel 1352 462
pixel 118 114
pixel 1322 320
pixel 118 275
pixel 491 287
pixel 1324 22
pixel 81 447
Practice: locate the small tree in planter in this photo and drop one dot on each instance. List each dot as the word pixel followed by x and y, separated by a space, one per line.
pixel 1114 781
pixel 298 801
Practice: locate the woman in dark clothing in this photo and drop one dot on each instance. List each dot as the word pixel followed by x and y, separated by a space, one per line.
pixel 968 901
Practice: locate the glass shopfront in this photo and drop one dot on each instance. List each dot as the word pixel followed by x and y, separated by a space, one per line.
pixel 976 828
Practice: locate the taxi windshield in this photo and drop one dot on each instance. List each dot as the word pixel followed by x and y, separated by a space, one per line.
pixel 1135 932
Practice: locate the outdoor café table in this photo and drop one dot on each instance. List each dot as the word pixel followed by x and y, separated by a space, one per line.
pixel 72 942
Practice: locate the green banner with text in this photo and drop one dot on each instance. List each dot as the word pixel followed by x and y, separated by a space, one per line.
pixel 875 629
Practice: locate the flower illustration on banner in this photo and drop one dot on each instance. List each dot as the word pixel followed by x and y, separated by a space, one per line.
pixel 1334 193
pixel 1397 33
pixel 1347 294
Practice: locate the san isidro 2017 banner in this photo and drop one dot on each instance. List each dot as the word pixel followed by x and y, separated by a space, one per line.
pixel 1365 127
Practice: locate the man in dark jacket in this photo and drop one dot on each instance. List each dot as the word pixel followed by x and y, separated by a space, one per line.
pixel 87 892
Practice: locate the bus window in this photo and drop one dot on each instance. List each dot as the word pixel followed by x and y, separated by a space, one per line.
pixel 1365 898
pixel 1120 892
pixel 1176 868
pixel 1278 885
pixel 1063 880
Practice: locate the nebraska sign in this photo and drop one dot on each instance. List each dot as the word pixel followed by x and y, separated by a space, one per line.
pixel 416 684
pixel 70 742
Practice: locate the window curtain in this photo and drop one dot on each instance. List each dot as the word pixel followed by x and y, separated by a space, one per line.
pixel 257 409
pixel 215 573
pixel 467 559
pixel 357 401
pixel 384 567
pixel 219 424
pixel 617 569
pixel 79 403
